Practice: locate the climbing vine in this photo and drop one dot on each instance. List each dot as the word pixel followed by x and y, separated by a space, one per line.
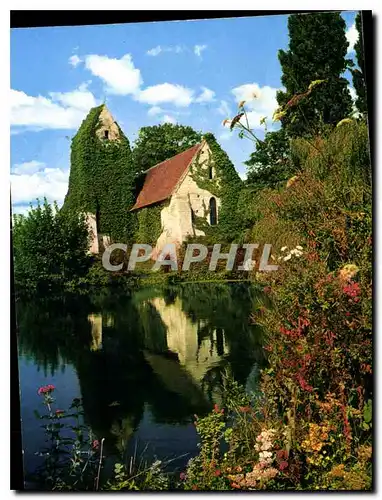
pixel 102 179
pixel 149 223
pixel 225 185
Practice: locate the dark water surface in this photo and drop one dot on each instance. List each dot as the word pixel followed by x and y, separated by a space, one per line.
pixel 143 363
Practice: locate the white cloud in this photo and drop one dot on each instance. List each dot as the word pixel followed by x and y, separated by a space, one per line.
pixel 155 110
pixel 81 98
pixel 49 182
pixel 120 75
pixel 207 95
pixel 63 110
pixel 198 49
pixel 166 92
pixel 351 37
pixel 155 51
pixel 28 167
pixel 158 50
pixel 168 119
pixel 74 60
pixel 224 109
pixel 259 102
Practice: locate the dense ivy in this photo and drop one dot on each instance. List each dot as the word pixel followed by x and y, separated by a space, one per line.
pixel 102 179
pixel 149 224
pixel 225 185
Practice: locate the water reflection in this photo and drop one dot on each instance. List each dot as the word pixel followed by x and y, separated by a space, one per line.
pixel 159 350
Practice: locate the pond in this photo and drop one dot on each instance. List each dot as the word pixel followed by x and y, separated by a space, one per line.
pixel 143 363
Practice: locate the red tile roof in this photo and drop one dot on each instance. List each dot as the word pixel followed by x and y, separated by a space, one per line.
pixel 162 179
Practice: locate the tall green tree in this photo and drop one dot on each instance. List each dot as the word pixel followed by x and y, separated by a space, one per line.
pixel 358 74
pixel 160 142
pixel 317 51
pixel 269 164
pixel 102 179
pixel 49 247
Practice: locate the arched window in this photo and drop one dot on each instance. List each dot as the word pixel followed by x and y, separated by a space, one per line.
pixel 106 134
pixel 213 214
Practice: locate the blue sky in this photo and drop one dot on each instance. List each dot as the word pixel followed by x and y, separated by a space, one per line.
pixel 189 72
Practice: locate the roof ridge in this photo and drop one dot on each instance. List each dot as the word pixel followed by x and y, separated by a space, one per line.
pixel 171 157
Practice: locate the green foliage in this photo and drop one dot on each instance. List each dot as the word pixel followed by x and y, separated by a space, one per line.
pixel 49 247
pixel 317 50
pixel 149 223
pixel 358 74
pixel 270 163
pixel 160 142
pixel 225 185
pixel 102 179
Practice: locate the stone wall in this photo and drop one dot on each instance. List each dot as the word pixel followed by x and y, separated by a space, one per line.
pixel 107 123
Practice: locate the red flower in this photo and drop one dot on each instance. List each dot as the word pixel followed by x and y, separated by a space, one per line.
pixel 267 289
pixel 46 389
pixel 59 412
pixel 95 444
pixel 281 454
pixel 182 476
pixel 217 409
pixel 283 465
pixel 352 290
pixel 217 473
pixel 245 409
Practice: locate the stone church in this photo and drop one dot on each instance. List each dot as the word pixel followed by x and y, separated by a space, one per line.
pixel 170 181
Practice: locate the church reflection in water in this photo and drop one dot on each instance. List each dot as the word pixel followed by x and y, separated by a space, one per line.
pixel 157 356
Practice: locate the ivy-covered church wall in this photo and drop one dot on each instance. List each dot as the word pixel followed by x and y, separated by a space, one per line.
pixel 102 179
pixel 225 185
pixel 149 224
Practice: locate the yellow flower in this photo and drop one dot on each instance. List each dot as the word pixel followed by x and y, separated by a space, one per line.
pixel 262 120
pixel 345 120
pixel 291 181
pixel 278 114
pixel 348 272
pixel 241 104
pixel 314 83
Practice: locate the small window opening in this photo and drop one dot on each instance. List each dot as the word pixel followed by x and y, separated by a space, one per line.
pixel 210 172
pixel 106 134
pixel 213 213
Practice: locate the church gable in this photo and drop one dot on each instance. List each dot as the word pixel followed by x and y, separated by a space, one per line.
pixel 162 179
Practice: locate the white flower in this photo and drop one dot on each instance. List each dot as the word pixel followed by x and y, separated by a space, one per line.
pixel 287 257
pixel 293 252
pixel 283 249
pixel 298 247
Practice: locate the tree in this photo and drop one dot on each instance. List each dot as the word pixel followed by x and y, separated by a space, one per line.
pixel 269 164
pixel 49 246
pixel 358 74
pixel 160 142
pixel 102 179
pixel 317 50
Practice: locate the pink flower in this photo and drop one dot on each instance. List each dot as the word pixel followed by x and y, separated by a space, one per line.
pixel 46 389
pixel 283 465
pixel 182 476
pixel 95 444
